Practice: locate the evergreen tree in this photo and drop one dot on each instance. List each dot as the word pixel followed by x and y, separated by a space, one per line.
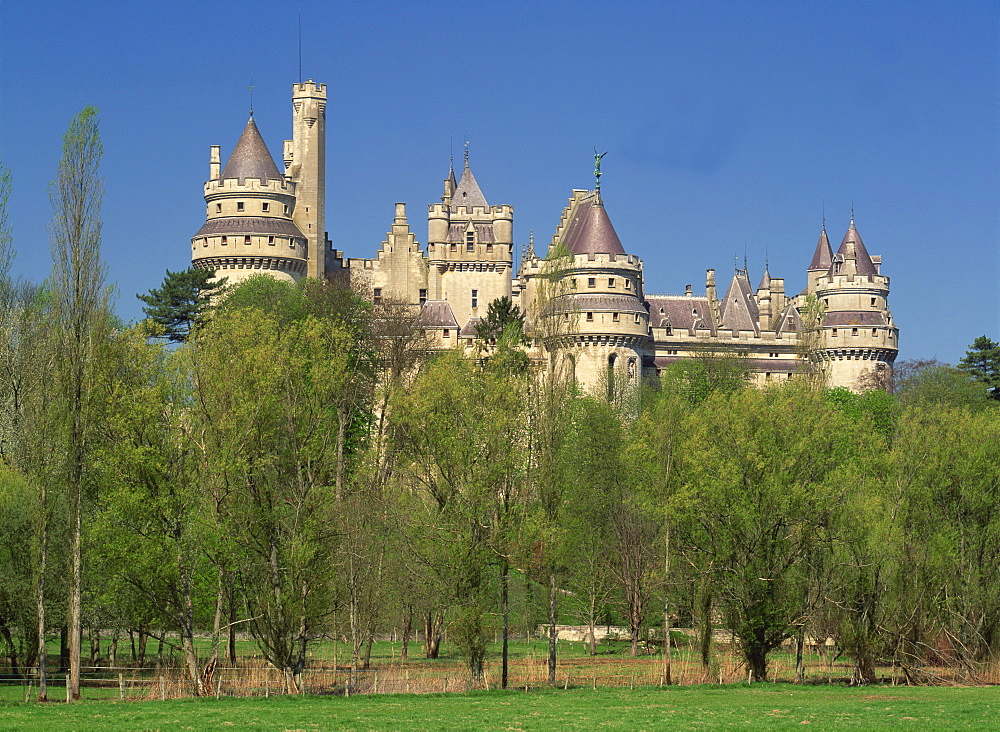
pixel 982 360
pixel 180 304
pixel 503 317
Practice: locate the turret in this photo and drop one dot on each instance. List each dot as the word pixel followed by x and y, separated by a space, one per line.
pixel 469 247
pixel 859 335
pixel 305 164
pixel 248 225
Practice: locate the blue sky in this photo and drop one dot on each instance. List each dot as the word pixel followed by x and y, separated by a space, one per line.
pixel 731 128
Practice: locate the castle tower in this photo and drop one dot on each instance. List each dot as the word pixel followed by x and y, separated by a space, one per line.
pixel 249 227
pixel 821 261
pixel 859 337
pixel 469 247
pixel 305 164
pixel 596 316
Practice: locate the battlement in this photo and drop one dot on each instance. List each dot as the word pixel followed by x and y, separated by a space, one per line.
pixel 229 186
pixel 309 89
pixel 441 210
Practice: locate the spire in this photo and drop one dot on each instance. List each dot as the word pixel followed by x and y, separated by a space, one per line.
pixel 590 231
pixel 251 158
pixel 467 192
pixel 765 281
pixel 823 256
pixel 852 245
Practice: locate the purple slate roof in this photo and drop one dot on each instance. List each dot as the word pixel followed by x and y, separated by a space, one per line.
pixel 861 317
pixel 679 311
pixel 765 281
pixel 863 261
pixel 738 308
pixel 251 158
pixel 590 230
pixel 823 256
pixel 249 225
pixel 469 330
pixel 436 314
pixel 468 192
pixel 484 233
pixel 597 303
pixel 788 321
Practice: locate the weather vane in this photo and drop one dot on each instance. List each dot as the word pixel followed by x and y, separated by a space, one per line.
pixel 597 168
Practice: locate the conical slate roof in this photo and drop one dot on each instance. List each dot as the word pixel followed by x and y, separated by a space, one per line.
pixel 251 158
pixel 590 231
pixel 823 256
pixel 765 281
pixel 863 261
pixel 468 193
pixel 739 310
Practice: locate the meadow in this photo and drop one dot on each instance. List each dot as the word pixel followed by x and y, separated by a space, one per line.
pixel 761 706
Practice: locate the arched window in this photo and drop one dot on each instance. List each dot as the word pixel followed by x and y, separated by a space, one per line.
pixel 612 360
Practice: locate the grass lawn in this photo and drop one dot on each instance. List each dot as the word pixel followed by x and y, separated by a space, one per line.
pixel 764 706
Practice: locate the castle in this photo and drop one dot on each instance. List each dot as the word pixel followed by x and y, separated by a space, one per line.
pixel 585 295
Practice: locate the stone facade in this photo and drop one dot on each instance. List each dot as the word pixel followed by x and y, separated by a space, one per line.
pixel 585 297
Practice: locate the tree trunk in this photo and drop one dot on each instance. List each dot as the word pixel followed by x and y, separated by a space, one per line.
pixel 432 634
pixel 666 609
pixel 95 646
pixel 5 632
pixel 800 641
pixel 705 625
pixel 553 637
pixel 232 627
pixel 505 602
pixel 75 584
pixel 407 630
pixel 40 598
pixel 143 640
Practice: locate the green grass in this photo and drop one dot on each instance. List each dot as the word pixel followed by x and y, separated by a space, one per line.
pixel 764 706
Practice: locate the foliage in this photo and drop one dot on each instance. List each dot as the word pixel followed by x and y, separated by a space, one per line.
pixel 181 304
pixel 982 360
pixel 502 318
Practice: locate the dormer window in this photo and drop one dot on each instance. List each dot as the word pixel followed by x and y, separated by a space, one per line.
pixel 470 240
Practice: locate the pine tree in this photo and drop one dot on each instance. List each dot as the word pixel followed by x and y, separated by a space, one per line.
pixel 982 361
pixel 179 305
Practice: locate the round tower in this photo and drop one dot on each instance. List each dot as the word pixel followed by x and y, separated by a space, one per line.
pixel 249 227
pixel 595 317
pixel 858 342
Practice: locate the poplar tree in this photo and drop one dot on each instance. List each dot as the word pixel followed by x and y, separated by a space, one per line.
pixel 79 303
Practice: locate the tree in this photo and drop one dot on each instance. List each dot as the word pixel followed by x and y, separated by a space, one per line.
pixel 265 407
pixel 181 303
pixel 80 315
pixel 982 360
pixel 757 496
pixel 501 316
pixel 931 382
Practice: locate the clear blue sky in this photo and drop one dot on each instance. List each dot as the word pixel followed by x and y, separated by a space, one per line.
pixel 730 127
